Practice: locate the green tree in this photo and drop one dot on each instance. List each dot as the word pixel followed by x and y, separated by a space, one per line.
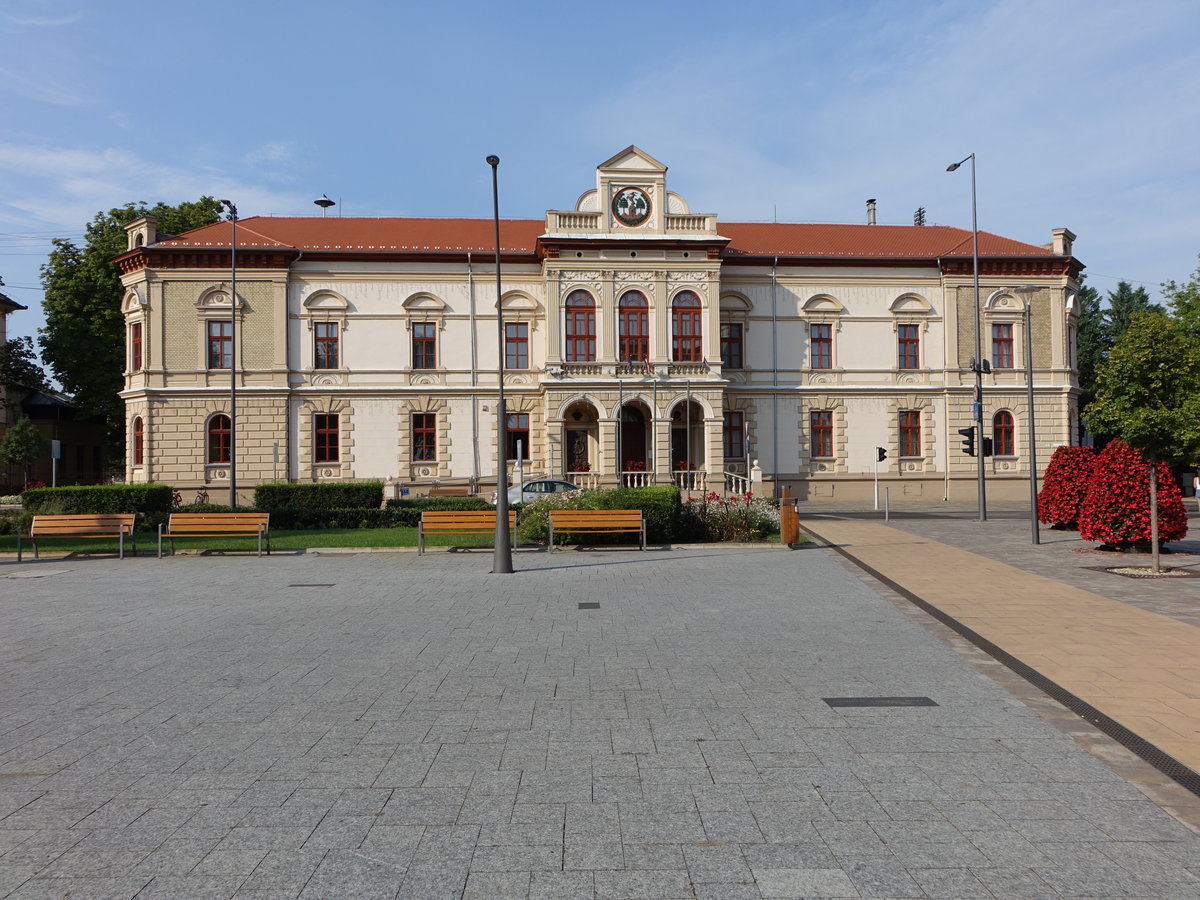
pixel 83 341
pixel 19 369
pixel 1148 394
pixel 1123 303
pixel 1091 343
pixel 1184 300
pixel 23 445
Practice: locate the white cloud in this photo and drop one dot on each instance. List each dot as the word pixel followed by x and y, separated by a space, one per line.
pixel 40 89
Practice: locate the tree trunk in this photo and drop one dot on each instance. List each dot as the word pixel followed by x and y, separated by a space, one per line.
pixel 1154 516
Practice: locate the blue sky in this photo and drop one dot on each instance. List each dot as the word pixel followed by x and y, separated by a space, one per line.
pixel 1082 114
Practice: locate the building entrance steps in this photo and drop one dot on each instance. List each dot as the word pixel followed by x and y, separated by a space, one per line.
pixel 1138 667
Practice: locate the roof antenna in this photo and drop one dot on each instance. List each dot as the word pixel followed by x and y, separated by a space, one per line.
pixel 324 202
pixel 919 216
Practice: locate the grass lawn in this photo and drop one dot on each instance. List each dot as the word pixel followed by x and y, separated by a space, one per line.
pixel 280 540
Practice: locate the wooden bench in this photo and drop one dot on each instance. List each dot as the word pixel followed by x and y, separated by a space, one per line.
pixel 597 521
pixel 96 525
pixel 459 521
pixel 451 490
pixel 217 524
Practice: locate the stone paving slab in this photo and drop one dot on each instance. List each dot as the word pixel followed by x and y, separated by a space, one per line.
pixel 223 727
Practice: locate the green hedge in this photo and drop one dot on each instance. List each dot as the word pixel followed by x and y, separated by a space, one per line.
pixel 279 495
pixel 294 519
pixel 408 509
pixel 152 501
pixel 660 507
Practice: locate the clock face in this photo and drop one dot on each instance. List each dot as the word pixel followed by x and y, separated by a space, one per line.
pixel 631 206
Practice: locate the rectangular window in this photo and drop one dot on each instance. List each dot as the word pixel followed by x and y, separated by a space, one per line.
pixel 731 345
pixel 326 426
pixel 424 437
pixel 220 345
pixel 734 433
pixel 135 347
pixel 820 427
pixel 517 432
pixel 424 345
pixel 821 346
pixel 325 345
pixel 1002 346
pixel 910 433
pixel 910 347
pixel 516 345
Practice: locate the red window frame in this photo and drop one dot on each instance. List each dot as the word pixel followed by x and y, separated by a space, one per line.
pixel 1003 434
pixel 326 435
pixel 733 433
pixel 135 347
pixel 909 347
pixel 218 439
pixel 820 429
pixel 220 344
pixel 820 345
pixel 731 345
pixel 516 345
pixel 516 429
pixel 687 329
pixel 139 441
pixel 325 345
pixel 910 433
pixel 579 335
pixel 1002 346
pixel 633 322
pixel 424 437
pixel 424 345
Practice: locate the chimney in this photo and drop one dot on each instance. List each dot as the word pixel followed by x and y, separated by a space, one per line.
pixel 871 211
pixel 1063 241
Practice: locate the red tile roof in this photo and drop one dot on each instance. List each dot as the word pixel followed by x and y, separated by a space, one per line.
pixel 746 239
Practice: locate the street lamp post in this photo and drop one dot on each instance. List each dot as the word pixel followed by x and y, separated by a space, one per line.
pixel 502 563
pixel 1027 291
pixel 233 219
pixel 977 360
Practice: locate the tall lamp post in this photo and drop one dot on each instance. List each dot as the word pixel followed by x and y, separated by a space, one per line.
pixel 1027 291
pixel 977 359
pixel 502 563
pixel 233 218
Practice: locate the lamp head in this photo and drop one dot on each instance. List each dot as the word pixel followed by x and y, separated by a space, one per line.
pixel 493 160
pixel 953 167
pixel 324 202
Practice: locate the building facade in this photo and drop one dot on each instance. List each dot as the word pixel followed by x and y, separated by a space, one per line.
pixel 640 343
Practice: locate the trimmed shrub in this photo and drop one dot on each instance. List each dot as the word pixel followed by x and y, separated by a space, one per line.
pixel 407 510
pixel 739 518
pixel 1116 510
pixel 279 495
pixel 305 519
pixel 152 501
pixel 659 506
pixel 13 519
pixel 1064 486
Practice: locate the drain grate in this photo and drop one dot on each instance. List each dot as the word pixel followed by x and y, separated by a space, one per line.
pixel 589 605
pixel 1164 762
pixel 879 701
pixel 311 585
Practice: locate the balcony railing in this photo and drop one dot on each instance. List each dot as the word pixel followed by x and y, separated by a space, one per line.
pixel 690 479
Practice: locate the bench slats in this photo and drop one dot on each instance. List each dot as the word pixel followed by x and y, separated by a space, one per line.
pixel 459 521
pixel 598 521
pixel 118 525
pixel 217 524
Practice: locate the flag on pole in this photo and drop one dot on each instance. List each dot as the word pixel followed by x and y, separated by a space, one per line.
pixel 649 367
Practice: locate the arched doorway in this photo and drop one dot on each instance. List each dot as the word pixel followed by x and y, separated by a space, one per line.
pixel 581 442
pixel 633 437
pixel 687 444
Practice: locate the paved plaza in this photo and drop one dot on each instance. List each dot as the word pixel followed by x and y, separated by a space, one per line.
pixel 393 726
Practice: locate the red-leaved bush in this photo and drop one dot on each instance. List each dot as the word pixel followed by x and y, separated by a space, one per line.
pixel 1116 510
pixel 1064 486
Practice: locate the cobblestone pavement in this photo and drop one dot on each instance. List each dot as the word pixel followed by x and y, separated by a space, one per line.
pixel 388 725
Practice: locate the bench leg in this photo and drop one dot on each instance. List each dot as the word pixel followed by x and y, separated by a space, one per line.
pixel 121 544
pixel 260 543
pixel 420 539
pixel 18 543
pixel 550 548
pixel 160 540
pixel 643 536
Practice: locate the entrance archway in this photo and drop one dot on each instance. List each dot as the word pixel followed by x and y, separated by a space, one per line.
pixel 581 441
pixel 634 442
pixel 687 443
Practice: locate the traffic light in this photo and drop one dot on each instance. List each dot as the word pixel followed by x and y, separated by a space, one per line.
pixel 987 446
pixel 880 454
pixel 968 443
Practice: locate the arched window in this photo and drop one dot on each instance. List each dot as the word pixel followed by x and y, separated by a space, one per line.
pixel 218 439
pixel 686 331
pixel 634 315
pixel 1002 434
pixel 139 434
pixel 581 327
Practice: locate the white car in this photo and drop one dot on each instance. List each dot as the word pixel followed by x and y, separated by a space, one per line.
pixel 533 490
